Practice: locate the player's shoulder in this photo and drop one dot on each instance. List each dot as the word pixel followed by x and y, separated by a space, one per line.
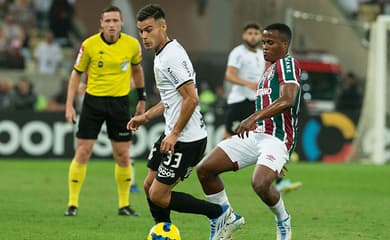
pixel 175 47
pixel 238 49
pixel 173 51
pixel 289 60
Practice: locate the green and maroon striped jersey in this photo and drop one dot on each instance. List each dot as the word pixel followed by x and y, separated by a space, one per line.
pixel 285 125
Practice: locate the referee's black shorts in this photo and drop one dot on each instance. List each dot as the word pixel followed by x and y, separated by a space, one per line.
pixel 179 165
pixel 97 110
pixel 236 112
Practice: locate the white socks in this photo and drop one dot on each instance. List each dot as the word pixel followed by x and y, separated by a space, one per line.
pixel 218 198
pixel 221 198
pixel 279 210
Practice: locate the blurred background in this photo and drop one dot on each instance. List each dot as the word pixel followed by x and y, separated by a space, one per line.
pixel 342 46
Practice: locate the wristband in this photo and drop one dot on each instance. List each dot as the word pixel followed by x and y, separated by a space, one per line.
pixel 141 94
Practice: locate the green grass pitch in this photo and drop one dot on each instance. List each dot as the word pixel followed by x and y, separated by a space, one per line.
pixel 343 201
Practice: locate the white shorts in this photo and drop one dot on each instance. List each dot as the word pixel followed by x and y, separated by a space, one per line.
pixel 259 148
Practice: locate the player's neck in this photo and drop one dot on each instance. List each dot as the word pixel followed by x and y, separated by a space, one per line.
pixel 250 48
pixel 110 39
pixel 162 44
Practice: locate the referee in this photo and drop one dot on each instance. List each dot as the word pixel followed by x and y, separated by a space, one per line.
pixel 111 58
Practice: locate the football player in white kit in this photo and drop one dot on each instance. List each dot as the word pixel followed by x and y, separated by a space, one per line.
pixel 183 143
pixel 268 146
pixel 244 67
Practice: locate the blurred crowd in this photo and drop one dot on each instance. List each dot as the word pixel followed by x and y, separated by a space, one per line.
pixel 38 35
pixel 33 33
pixel 35 37
pixel 365 10
pixel 22 96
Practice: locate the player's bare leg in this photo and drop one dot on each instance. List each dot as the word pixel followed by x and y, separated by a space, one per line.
pixel 208 171
pixel 262 184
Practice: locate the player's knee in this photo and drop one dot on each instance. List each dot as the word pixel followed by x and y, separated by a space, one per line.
pixel 122 162
pixel 122 159
pixel 147 185
pixel 204 172
pixel 158 198
pixel 261 186
pixel 82 155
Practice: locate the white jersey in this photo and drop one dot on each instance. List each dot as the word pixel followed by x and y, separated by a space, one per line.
pixel 251 66
pixel 172 69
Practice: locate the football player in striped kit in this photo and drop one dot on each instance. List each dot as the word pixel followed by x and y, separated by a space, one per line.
pixel 268 146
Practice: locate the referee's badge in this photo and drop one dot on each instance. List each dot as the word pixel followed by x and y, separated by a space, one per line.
pixel 124 66
pixel 100 64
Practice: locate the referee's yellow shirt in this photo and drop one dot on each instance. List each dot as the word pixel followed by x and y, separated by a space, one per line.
pixel 108 64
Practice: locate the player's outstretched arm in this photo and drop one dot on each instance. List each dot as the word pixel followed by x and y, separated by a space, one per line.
pixel 289 92
pixel 136 121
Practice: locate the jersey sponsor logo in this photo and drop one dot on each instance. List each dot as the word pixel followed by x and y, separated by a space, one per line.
pixel 164 172
pixel 271 73
pixel 288 66
pixel 188 172
pixel 174 77
pixel 123 134
pixel 270 158
pixel 264 91
pixel 185 65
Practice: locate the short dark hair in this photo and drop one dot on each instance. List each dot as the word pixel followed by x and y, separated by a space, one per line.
pixel 111 9
pixel 250 25
pixel 284 30
pixel 150 10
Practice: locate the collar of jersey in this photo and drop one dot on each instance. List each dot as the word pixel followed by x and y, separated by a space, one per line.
pixel 163 47
pixel 109 43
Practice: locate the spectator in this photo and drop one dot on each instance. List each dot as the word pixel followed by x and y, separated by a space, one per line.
pixel 48 54
pixel 4 6
pixel 14 37
pixel 3 40
pixel 14 57
pixel 349 96
pixel 23 14
pixel 24 95
pixel 25 17
pixel 41 9
pixel 12 30
pixel 60 20
pixel 3 46
pixel 6 101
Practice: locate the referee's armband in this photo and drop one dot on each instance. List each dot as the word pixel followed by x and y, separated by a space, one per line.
pixel 141 94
